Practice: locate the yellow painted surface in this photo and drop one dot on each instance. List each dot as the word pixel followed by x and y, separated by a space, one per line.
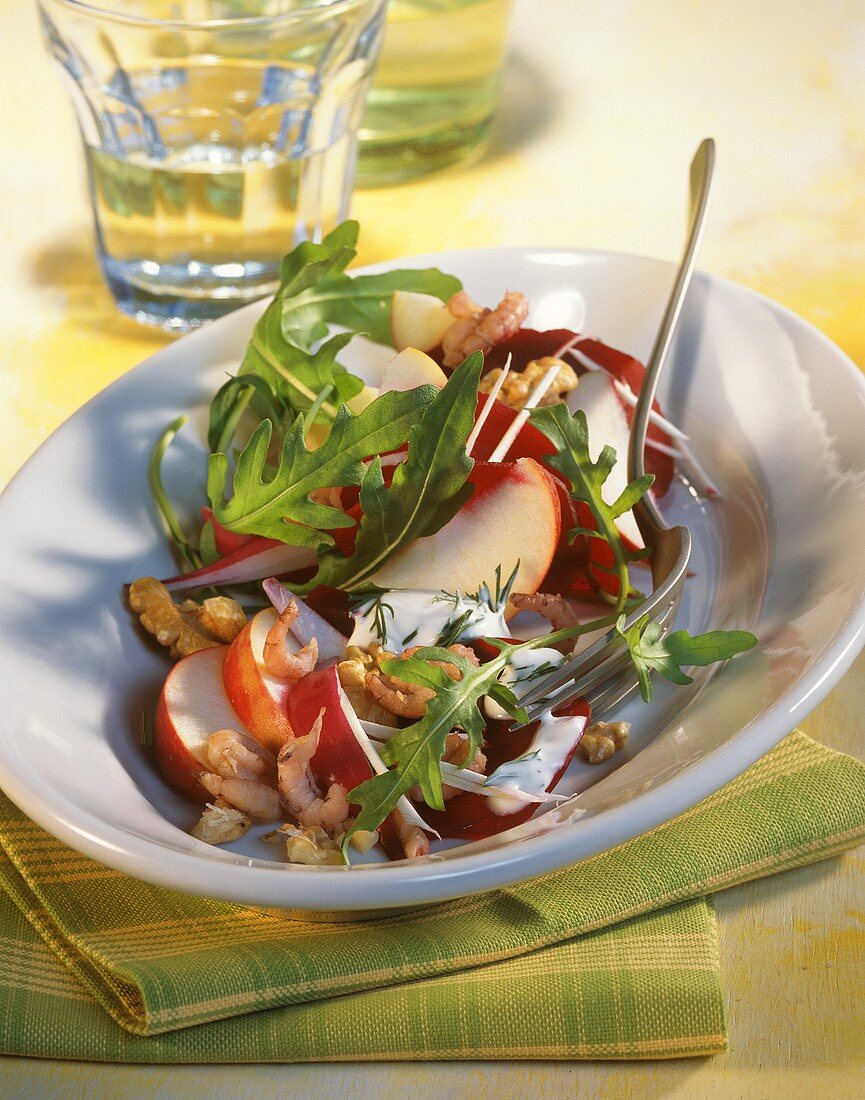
pixel 603 105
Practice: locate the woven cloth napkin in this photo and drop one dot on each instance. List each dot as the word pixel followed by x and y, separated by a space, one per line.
pixel 613 958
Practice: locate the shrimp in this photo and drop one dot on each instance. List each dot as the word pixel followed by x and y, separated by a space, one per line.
pixel 256 800
pixel 233 755
pixel 553 607
pixel 477 329
pixel 414 841
pixel 300 791
pixel 456 752
pixel 403 697
pixel 400 697
pixel 279 659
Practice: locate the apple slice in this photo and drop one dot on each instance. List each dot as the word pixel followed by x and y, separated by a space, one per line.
pixel 418 320
pixel 512 517
pixel 258 697
pixel 410 369
pixel 340 758
pixel 608 425
pixel 192 705
pixel 256 558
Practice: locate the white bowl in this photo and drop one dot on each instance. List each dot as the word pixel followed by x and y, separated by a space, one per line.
pixel 776 412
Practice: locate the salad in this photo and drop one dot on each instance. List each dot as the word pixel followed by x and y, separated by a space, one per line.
pixel 347 620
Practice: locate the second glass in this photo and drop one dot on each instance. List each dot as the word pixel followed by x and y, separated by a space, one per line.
pixel 217 135
pixel 435 89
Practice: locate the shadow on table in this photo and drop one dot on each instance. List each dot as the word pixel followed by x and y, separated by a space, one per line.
pixel 69 266
pixel 527 107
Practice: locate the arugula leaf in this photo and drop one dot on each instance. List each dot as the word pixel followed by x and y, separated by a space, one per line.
pixel 185 550
pixel 415 752
pixel 651 649
pixel 428 489
pixel 315 291
pixel 293 373
pixel 311 262
pixel 232 400
pixel 363 302
pixel 570 436
pixel 280 506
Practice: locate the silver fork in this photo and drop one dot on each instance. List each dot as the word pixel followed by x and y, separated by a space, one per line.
pixel 603 673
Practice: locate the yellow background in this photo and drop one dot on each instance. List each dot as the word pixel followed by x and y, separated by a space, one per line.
pixel 603 105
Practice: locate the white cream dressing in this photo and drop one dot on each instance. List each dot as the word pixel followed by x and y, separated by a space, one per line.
pixel 412 617
pixel 536 768
pixel 520 674
pixel 526 779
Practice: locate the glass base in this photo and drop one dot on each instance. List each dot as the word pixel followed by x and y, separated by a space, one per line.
pixel 384 162
pixel 180 298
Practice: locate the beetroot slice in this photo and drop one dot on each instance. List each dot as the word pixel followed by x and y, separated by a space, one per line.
pixel 631 371
pixel 468 816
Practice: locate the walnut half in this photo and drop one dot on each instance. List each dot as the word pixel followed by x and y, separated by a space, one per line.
pixel 602 739
pixel 518 385
pixel 187 627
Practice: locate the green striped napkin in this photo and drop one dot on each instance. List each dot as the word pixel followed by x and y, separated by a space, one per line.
pixel 613 958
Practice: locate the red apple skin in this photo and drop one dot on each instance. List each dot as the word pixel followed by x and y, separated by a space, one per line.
pixel 177 765
pixel 258 697
pixel 512 516
pixel 226 541
pixel 192 705
pixel 338 758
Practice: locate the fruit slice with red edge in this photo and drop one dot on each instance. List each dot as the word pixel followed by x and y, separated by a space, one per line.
pixel 257 696
pixel 339 757
pixel 256 559
pixel 512 516
pixel 469 816
pixel 418 320
pixel 192 705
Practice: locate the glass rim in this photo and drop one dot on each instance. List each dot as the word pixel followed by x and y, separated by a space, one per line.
pixel 103 11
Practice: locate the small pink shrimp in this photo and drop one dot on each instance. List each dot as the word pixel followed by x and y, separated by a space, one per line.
pixel 551 606
pixel 279 658
pixel 414 841
pixel 256 800
pixel 300 791
pixel 477 329
pixel 233 755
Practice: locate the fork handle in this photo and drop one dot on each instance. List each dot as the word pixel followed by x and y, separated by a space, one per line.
pixel 702 167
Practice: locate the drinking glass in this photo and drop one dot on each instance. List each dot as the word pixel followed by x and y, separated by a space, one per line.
pixel 217 135
pixel 435 89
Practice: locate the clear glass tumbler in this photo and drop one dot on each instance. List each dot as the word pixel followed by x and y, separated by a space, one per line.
pixel 217 134
pixel 435 89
